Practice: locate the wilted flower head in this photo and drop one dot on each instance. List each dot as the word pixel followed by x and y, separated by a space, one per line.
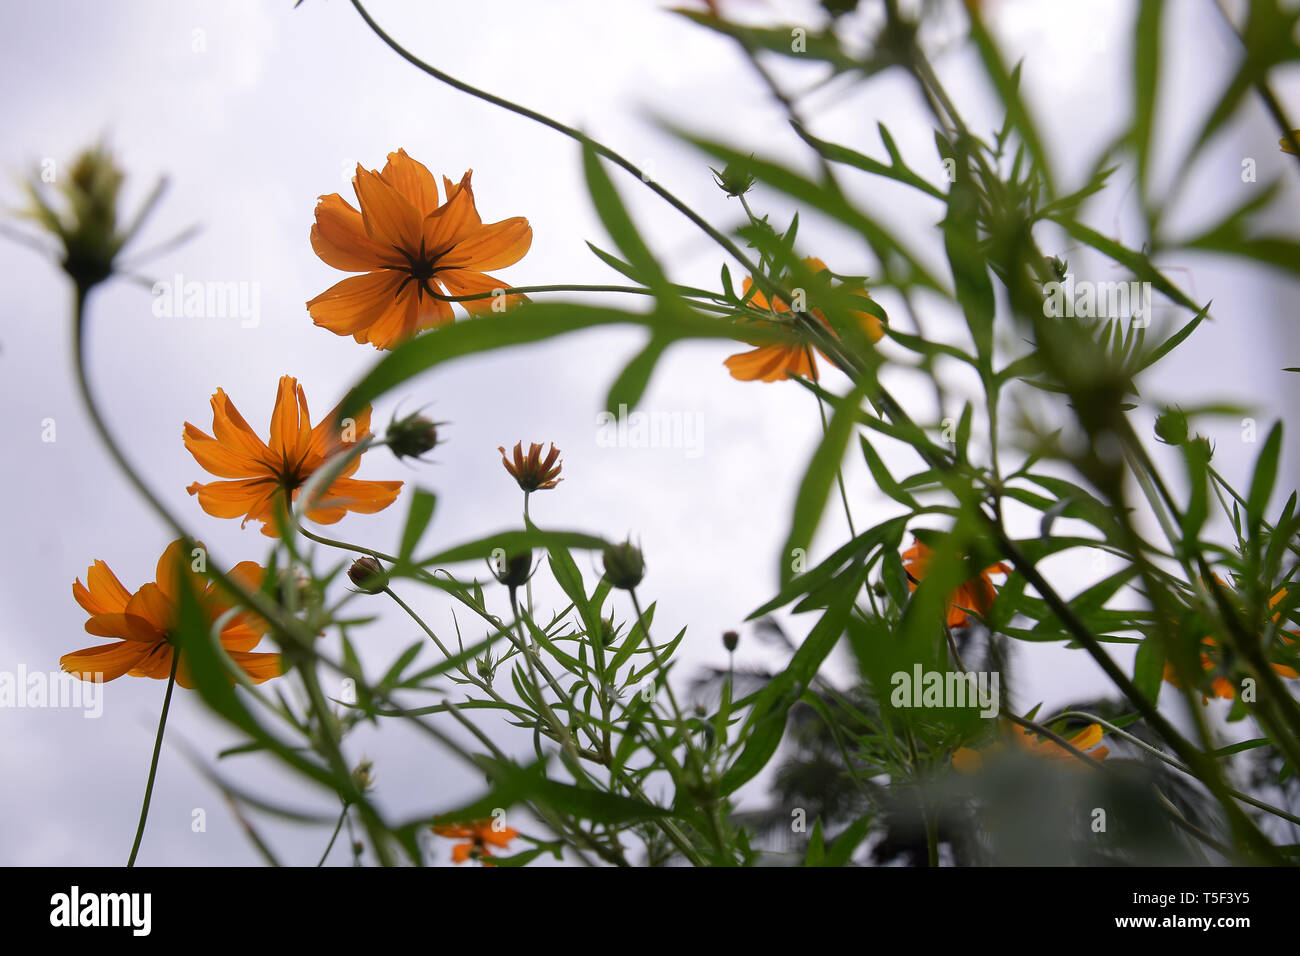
pixel 532 471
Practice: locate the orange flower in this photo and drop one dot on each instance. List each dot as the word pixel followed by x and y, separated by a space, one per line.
pixel 533 472
pixel 480 835
pixel 410 250
pixel 1220 686
pixel 777 361
pixel 967 760
pixel 143 622
pixel 977 594
pixel 265 478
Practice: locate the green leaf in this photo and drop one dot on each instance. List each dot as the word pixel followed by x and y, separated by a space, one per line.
pixel 531 322
pixel 1149 667
pixel 824 199
pixel 816 846
pixel 1261 485
pixel 974 288
pixel 422 505
pixel 818 478
pixel 766 723
pixel 632 382
pixel 1146 71
pixel 613 214
pixel 515 542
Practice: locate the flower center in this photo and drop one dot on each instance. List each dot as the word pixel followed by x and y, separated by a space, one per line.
pixel 420 266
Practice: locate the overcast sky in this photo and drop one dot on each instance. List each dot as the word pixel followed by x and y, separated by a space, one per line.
pixel 255 109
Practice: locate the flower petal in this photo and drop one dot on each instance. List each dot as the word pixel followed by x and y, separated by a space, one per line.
pixel 388 216
pixel 492 247
pixel 339 238
pixel 109 661
pixel 413 180
pixel 357 302
pixel 102 593
pixel 465 282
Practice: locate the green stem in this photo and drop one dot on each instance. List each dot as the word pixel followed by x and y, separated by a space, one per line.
pixel 337 827
pixel 153 764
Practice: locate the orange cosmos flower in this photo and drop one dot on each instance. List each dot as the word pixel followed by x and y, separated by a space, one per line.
pixel 532 471
pixel 410 249
pixel 777 361
pixel 967 760
pixel 1220 686
pixel 265 478
pixel 977 594
pixel 480 836
pixel 142 623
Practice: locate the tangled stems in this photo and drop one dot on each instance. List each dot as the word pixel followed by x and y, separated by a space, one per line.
pixel 557 729
pixel 936 457
pixel 153 764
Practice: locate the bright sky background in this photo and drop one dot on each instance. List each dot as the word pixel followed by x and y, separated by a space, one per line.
pixel 254 109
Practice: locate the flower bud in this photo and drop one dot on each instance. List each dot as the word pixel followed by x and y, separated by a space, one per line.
pixel 412 436
pixel 624 565
pixel 86 225
pixel 517 569
pixel 730 639
pixel 608 632
pixel 363 777
pixel 1171 426
pixel 734 180
pixel 368 575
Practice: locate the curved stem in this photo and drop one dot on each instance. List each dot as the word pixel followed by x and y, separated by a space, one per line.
pixel 337 827
pixel 153 764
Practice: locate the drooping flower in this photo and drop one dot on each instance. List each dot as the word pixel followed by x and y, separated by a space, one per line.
pixel 532 471
pixel 968 760
pixel 265 478
pixel 776 361
pixel 480 837
pixel 142 624
pixel 976 594
pixel 410 249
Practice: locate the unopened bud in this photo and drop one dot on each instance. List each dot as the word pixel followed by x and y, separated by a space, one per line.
pixel 412 436
pixel 518 568
pixel 730 639
pixel 368 575
pixel 624 565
